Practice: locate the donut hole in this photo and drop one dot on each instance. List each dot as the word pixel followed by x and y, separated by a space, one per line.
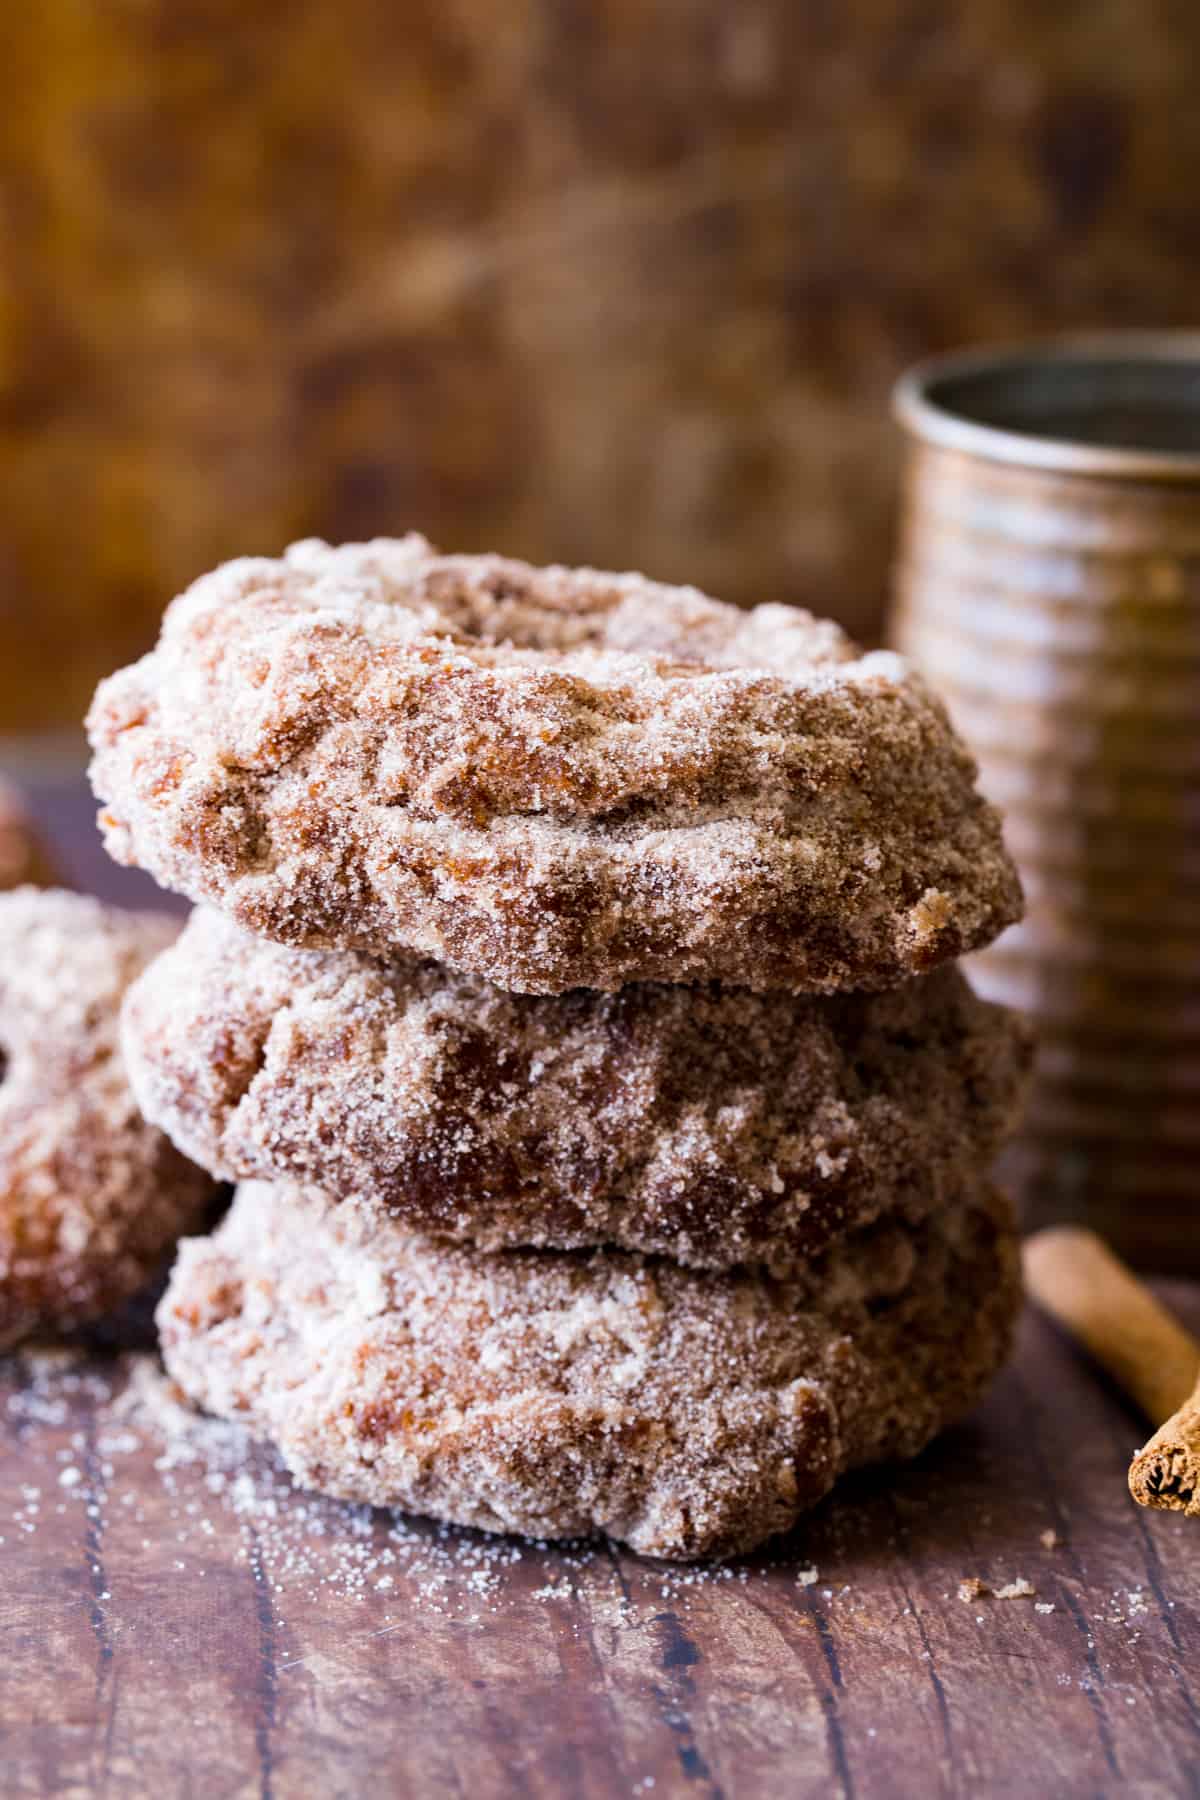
pixel 510 614
pixel 4 1065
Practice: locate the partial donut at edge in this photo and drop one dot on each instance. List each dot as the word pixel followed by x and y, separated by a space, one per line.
pixel 92 1197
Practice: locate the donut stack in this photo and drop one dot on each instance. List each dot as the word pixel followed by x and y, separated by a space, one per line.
pixel 571 990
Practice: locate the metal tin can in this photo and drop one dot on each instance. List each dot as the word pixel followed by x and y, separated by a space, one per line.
pixel 1048 584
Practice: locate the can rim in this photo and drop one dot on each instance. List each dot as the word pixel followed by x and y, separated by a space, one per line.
pixel 922 403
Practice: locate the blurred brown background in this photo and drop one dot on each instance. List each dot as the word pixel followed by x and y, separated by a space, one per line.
pixel 624 283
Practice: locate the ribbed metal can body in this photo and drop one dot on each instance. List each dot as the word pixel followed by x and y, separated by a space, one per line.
pixel 1057 610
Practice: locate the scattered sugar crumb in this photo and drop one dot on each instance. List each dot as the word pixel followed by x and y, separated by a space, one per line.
pixel 808 1577
pixel 972 1588
pixel 1020 1589
pixel 1049 1540
pixel 1043 1606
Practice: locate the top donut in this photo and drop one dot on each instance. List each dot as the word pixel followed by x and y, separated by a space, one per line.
pixel 554 778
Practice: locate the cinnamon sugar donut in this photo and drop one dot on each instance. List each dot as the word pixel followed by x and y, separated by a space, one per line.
pixel 564 1394
pixel 91 1196
pixel 22 856
pixel 713 1125
pixel 554 778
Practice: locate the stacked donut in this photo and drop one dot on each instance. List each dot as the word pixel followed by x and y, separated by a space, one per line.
pixel 571 990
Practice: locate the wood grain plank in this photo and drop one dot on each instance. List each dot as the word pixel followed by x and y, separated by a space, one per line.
pixel 193 1625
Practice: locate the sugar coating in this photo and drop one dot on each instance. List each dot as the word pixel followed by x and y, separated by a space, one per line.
pixel 561 1394
pixel 711 1124
pixel 22 856
pixel 91 1196
pixel 554 778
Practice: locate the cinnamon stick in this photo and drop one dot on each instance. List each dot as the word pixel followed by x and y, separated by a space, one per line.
pixel 1078 1280
pixel 1166 1472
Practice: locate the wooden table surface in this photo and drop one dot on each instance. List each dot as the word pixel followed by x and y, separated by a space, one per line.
pixel 175 1619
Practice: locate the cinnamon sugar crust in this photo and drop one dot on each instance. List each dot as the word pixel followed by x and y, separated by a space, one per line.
pixel 717 1126
pixel 554 778
pixel 561 1395
pixel 91 1197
